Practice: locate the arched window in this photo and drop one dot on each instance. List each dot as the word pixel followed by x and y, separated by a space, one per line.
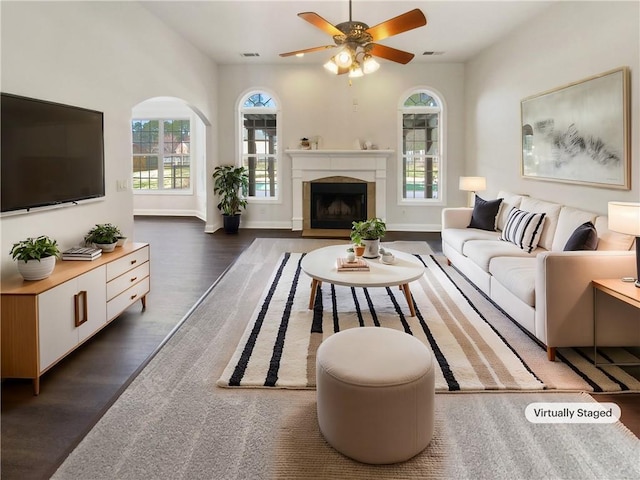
pixel 421 135
pixel 259 143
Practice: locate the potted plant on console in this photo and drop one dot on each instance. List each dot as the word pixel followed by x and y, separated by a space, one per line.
pixel 231 183
pixel 104 236
pixel 36 257
pixel 368 232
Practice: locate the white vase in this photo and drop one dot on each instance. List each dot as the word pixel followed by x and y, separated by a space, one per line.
pixel 37 269
pixel 372 247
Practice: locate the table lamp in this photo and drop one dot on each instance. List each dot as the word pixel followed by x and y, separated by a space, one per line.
pixel 624 217
pixel 472 185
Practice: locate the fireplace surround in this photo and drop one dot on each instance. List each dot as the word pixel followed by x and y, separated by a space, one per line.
pixel 336 166
pixel 330 204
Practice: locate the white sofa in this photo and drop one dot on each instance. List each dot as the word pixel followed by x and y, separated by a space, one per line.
pixel 548 291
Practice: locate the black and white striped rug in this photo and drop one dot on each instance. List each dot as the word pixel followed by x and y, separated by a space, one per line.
pixel 476 346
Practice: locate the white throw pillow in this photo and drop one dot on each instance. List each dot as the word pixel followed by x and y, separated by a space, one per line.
pixel 523 229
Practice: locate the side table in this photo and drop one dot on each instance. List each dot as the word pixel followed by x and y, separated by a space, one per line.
pixel 626 292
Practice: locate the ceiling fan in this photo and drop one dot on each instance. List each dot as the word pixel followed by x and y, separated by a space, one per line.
pixel 356 41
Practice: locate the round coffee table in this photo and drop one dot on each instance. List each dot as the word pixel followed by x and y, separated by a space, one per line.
pixel 321 266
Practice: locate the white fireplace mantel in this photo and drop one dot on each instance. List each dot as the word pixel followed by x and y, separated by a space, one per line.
pixel 366 165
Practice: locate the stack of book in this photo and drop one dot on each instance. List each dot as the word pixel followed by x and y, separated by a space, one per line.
pixel 358 265
pixel 81 253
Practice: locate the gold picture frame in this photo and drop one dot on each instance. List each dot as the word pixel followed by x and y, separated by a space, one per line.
pixel 579 133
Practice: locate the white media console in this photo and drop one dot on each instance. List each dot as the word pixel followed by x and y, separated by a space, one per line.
pixel 45 320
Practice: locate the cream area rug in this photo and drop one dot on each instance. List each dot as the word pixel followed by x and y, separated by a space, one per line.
pixel 173 422
pixel 279 345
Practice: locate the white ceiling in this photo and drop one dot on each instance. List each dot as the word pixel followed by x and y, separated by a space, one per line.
pixel 224 29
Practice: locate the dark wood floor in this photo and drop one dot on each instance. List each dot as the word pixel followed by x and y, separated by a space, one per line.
pixel 39 432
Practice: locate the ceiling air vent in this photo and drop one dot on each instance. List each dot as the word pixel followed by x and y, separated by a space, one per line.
pixel 249 54
pixel 432 53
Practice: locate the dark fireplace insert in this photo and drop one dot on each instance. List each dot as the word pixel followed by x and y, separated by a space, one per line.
pixel 336 205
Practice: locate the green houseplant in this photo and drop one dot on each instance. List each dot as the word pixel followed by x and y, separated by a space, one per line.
pixel 231 183
pixel 36 257
pixel 104 236
pixel 368 233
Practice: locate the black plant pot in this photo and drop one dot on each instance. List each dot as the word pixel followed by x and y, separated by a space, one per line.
pixel 231 223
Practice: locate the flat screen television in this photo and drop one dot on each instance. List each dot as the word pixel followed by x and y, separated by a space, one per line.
pixel 50 153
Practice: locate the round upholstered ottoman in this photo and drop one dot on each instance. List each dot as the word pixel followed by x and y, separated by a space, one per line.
pixel 375 394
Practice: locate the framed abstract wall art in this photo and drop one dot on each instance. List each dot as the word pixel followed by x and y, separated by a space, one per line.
pixel 579 133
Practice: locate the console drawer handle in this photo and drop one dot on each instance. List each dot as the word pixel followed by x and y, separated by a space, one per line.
pixel 80 308
pixel 134 279
pixel 133 261
pixel 134 296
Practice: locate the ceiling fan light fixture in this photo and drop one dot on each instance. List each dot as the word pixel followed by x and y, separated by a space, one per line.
pixel 331 66
pixel 344 58
pixel 369 65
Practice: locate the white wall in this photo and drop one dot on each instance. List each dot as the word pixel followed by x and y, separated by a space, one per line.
pixel 569 42
pixel 314 102
pixel 104 56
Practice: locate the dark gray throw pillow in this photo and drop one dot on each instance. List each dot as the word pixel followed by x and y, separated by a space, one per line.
pixel 585 237
pixel 484 214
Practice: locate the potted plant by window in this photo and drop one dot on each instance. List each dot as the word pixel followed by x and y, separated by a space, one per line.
pixel 36 257
pixel 368 232
pixel 104 236
pixel 231 183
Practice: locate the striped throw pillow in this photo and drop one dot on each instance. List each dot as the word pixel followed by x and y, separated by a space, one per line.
pixel 523 229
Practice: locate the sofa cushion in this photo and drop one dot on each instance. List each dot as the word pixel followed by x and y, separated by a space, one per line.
pixel 610 240
pixel 568 220
pixel 457 237
pixel 523 229
pixel 584 237
pixel 516 275
pixel 551 211
pixel 481 252
pixel 484 214
pixel 509 200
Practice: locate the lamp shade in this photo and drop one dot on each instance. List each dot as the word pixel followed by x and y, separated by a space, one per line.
pixel 624 217
pixel 331 66
pixel 473 184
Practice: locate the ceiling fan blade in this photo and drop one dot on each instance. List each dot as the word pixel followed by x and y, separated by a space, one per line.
pixel 402 23
pixel 392 54
pixel 319 22
pixel 307 50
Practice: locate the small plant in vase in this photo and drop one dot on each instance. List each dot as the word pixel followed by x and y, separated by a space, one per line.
pixel 104 236
pixel 36 257
pixel 368 233
pixel 351 256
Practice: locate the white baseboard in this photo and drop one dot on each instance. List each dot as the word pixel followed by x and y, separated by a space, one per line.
pixel 412 227
pixel 168 213
pixel 395 227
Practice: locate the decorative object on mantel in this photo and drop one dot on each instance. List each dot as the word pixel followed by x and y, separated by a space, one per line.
pixel 368 233
pixel 580 133
pixel 36 257
pixel 304 144
pixel 472 185
pixel 104 236
pixel 624 217
pixel 355 41
pixel 231 183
